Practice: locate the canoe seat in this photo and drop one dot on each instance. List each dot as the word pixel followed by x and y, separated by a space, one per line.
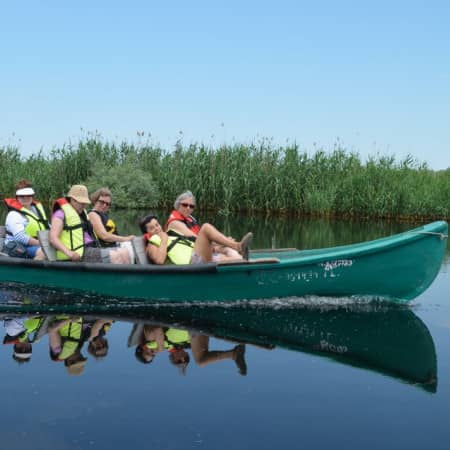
pixel 47 248
pixel 139 250
pixel 2 236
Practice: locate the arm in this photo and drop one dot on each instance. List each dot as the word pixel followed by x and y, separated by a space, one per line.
pixel 15 224
pixel 101 232
pixel 55 231
pixel 180 228
pixel 95 330
pixel 158 254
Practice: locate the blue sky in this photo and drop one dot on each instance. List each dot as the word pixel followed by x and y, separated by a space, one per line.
pixel 372 76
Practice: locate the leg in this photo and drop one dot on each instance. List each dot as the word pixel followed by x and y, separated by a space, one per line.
pixel 208 234
pixel 119 256
pixel 203 356
pixel 39 255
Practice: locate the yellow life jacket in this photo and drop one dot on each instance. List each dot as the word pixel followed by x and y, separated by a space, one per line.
pixel 72 234
pixel 71 336
pixel 36 222
pixel 175 338
pixel 179 249
pixel 31 325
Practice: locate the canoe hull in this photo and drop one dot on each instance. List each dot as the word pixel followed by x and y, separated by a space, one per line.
pixel 400 267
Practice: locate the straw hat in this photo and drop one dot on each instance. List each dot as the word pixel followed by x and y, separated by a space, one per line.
pixel 79 193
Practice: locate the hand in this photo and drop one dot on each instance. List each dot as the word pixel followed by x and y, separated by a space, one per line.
pixel 163 235
pixel 74 256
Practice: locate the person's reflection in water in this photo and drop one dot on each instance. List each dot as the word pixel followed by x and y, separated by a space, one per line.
pixel 150 343
pixel 98 344
pixel 65 335
pixel 20 332
pixel 176 342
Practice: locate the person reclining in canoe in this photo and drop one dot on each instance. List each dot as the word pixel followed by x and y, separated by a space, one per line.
pixel 25 218
pixel 72 234
pixel 182 222
pixel 162 248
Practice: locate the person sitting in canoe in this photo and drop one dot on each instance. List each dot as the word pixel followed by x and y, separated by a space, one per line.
pixel 104 227
pixel 72 233
pixel 25 218
pixel 162 248
pixel 182 222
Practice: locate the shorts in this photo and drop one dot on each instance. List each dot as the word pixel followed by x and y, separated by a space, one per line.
pixel 96 255
pixel 31 251
pixel 197 259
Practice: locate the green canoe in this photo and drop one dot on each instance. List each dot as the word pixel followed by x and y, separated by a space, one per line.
pixel 398 267
pixel 391 340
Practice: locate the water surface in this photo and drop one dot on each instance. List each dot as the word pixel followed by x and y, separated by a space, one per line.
pixel 297 373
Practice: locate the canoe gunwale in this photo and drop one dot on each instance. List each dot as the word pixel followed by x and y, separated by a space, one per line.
pixel 107 267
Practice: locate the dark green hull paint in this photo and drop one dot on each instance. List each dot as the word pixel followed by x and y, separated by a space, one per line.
pixel 399 267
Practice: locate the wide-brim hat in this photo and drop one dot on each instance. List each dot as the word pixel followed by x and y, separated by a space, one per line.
pixel 25 191
pixel 80 193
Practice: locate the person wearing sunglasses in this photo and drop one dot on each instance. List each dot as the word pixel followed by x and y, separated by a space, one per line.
pixel 72 233
pixel 182 222
pixel 162 248
pixel 25 218
pixel 104 227
pixel 181 219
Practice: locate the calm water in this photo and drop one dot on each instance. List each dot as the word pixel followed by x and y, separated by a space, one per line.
pixel 303 373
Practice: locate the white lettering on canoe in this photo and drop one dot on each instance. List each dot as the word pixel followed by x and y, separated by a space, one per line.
pixel 328 347
pixel 330 265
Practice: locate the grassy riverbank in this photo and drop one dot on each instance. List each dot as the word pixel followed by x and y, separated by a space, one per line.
pixel 259 178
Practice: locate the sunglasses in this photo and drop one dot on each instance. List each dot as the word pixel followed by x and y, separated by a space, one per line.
pixel 187 205
pixel 104 203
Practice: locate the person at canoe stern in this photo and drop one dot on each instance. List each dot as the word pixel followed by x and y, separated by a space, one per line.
pixel 182 222
pixel 162 248
pixel 25 218
pixel 72 233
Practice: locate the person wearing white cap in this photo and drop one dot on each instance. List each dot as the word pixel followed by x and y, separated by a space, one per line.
pixel 72 233
pixel 25 218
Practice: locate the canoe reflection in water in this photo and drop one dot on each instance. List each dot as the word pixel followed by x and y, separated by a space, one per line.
pixel 378 337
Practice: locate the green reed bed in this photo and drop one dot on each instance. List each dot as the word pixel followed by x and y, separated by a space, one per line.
pixel 253 178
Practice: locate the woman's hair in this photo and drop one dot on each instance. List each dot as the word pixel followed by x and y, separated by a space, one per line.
pixel 102 192
pixel 181 197
pixel 145 220
pixel 21 184
pixel 98 351
pixel 139 354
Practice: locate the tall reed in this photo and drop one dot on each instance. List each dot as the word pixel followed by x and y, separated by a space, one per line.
pixel 259 177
